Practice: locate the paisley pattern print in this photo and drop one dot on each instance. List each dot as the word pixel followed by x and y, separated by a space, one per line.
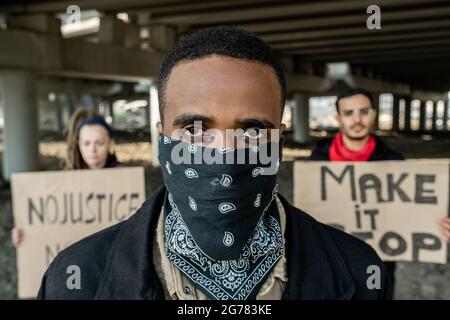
pixel 224 279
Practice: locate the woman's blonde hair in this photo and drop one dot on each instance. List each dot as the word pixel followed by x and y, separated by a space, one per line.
pixel 74 160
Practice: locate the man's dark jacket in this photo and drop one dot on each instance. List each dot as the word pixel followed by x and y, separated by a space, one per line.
pixel 381 153
pixel 117 263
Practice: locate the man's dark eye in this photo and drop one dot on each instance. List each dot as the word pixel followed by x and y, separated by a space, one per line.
pixel 365 111
pixel 252 133
pixel 348 113
pixel 256 134
pixel 193 131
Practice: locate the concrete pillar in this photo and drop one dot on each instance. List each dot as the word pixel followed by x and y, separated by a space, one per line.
pixel 301 118
pixel 395 112
pixel 147 115
pixel 41 23
pixel 376 106
pixel 434 118
pixel 86 101
pixel 19 104
pixel 65 111
pixel 407 126
pixel 423 116
pixel 446 115
pixel 59 113
pixel 154 119
pixel 96 102
pixel 72 101
pixel 109 103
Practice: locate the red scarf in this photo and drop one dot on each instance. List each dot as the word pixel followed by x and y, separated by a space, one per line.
pixel 339 152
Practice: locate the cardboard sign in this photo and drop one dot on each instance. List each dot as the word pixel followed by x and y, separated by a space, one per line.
pixel 392 205
pixel 57 208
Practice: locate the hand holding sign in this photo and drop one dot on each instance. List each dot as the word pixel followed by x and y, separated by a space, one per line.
pixel 444 226
pixel 17 236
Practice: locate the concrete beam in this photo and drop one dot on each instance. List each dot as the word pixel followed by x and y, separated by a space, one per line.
pixel 25 49
pixel 317 84
pixel 375 85
pixel 427 95
pixel 334 21
pixel 149 8
pixel 186 7
pixel 74 86
pixel 116 32
pixel 112 31
pixel 385 56
pixel 430 43
pixel 280 11
pixel 354 31
pixel 40 23
pixel 405 53
pixel 102 5
pixel 55 56
pixel 306 83
pixel 366 39
pixel 162 37
pixel 108 61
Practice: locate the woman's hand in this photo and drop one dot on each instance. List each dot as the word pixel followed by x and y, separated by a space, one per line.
pixel 17 236
pixel 444 227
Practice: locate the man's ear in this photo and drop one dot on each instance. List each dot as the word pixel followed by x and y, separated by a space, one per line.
pixel 112 143
pixel 374 118
pixel 282 129
pixel 159 127
pixel 338 119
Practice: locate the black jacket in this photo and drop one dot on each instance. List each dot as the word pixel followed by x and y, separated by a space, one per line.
pixel 381 152
pixel 117 263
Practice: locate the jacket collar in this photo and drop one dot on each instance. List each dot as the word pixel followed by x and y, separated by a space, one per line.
pixel 381 149
pixel 316 270
pixel 129 270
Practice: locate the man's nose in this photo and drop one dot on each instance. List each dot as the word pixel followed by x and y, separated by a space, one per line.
pixel 357 117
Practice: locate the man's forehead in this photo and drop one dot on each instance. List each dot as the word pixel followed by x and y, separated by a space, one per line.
pixel 357 101
pixel 214 84
pixel 222 70
pixel 216 60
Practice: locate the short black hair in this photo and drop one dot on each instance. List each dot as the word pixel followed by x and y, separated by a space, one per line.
pixel 353 92
pixel 227 41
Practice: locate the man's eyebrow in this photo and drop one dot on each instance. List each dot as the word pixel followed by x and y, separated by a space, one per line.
pixel 254 123
pixel 189 118
pixel 362 108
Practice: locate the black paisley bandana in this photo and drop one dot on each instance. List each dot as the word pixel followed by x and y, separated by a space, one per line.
pixel 222 226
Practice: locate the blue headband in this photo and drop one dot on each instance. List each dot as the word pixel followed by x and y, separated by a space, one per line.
pixel 95 121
